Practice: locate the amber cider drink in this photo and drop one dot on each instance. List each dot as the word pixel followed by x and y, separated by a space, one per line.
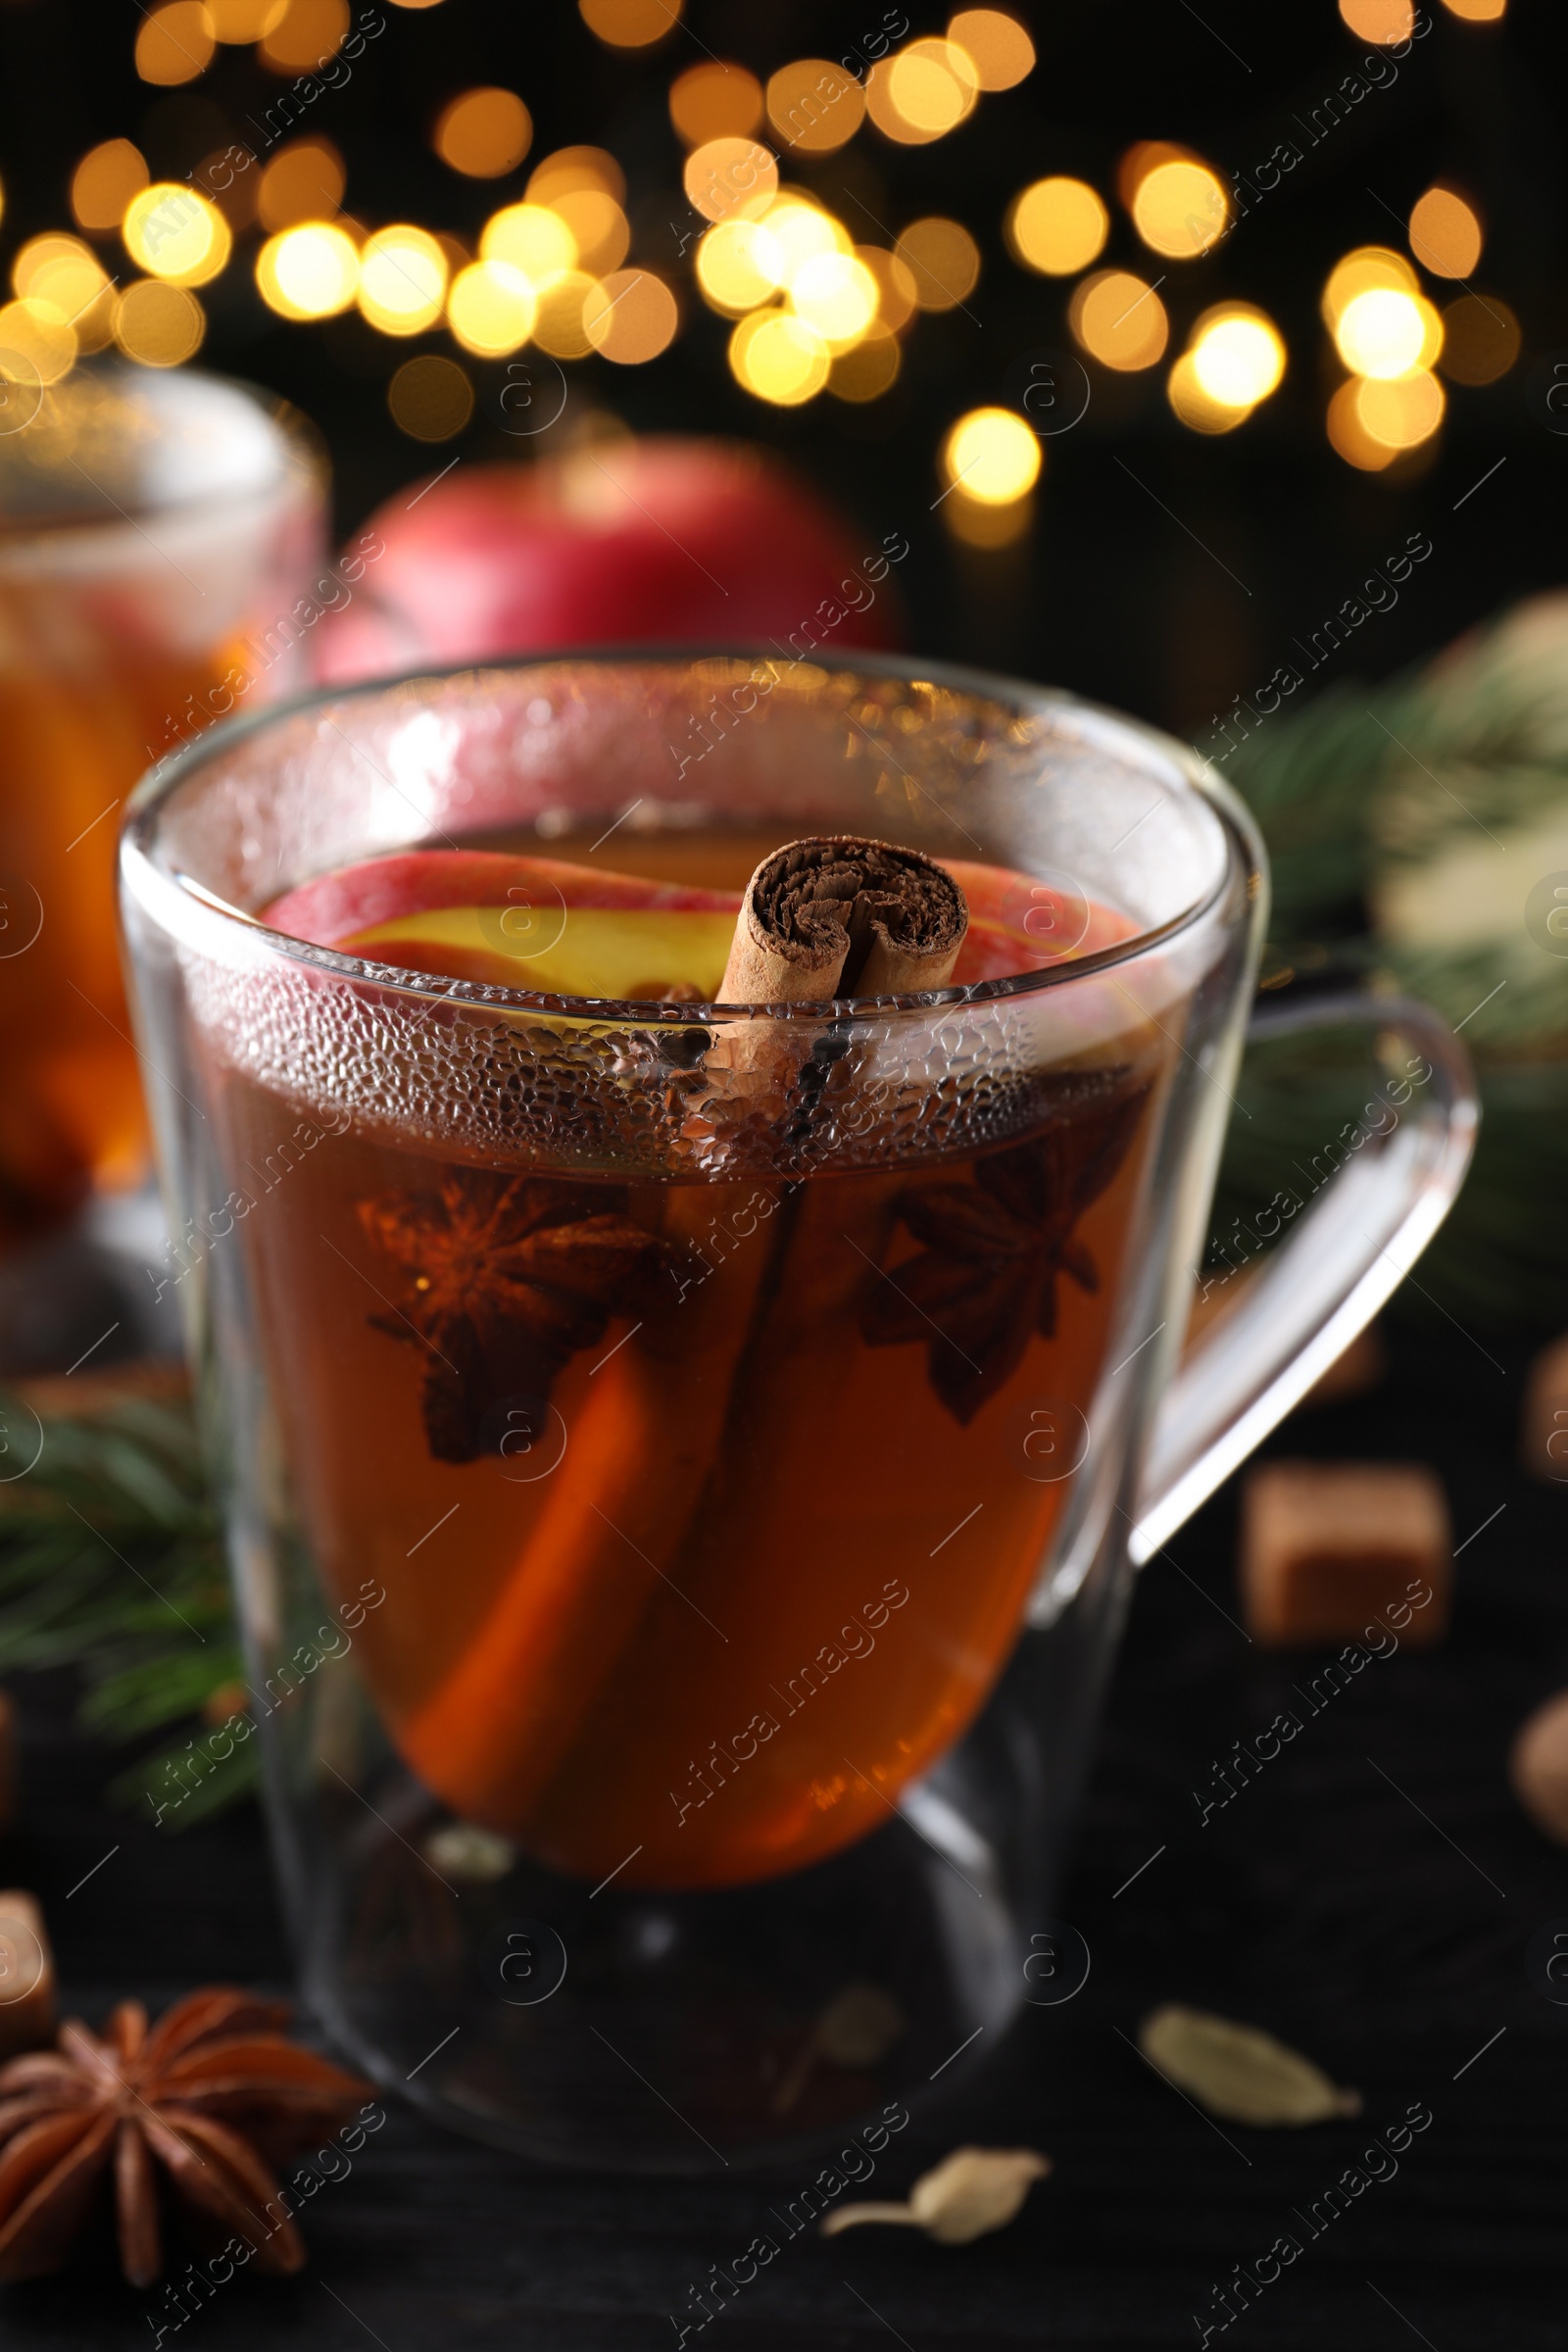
pixel 705 1512
pixel 155 533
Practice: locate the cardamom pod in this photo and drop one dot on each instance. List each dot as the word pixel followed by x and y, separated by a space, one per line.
pixel 1240 2071
pixel 969 2192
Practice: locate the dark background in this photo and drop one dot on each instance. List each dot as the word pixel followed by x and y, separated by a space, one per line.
pixel 1324 1904
pixel 1114 597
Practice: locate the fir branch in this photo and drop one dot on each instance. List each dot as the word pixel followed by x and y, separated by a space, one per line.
pixel 111 1561
pixel 1406 825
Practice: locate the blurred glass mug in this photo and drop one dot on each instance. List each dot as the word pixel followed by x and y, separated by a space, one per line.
pixel 156 529
pixel 671 1756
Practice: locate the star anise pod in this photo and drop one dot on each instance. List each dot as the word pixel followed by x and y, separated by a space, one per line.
pixel 213 2096
pixel 985 1282
pixel 504 1278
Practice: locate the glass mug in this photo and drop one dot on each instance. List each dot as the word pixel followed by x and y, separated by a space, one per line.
pixel 685 1464
pixel 156 530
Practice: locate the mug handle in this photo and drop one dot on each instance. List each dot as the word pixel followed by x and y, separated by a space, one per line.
pixel 1326 1283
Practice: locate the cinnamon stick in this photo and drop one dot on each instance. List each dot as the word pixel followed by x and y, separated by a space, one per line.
pixel 839 915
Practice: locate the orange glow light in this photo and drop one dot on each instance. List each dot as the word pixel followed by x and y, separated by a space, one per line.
pixel 1445 233
pixel 484 134
pixel 1119 320
pixel 997 45
pixel 716 101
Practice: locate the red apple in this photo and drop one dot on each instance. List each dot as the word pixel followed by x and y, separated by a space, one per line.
pixel 621 543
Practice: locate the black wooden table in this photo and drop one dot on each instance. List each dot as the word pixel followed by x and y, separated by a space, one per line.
pixel 1370 1898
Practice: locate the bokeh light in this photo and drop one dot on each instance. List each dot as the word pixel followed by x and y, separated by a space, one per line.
pixel 533 239
pixel 568 169
pixel 731 176
pixel 1476 12
pixel 997 46
pixel 238 20
pixel 1481 339
pixel 42 256
pixel 560 326
pixel 868 369
pixel 1238 356
pixel 311 270
pixel 1180 208
pixel 716 101
pixel 932 85
pixel 1119 320
pixel 1401 412
pixel 801 230
pixel 483 133
pixel 1380 21
pixel 1372 423
pixel 738 265
pixel 814 106
pixel 597 225
pixel 630 316
pixel 37 345
pixel 1369 265
pixel 991 456
pixel 1139 159
pixel 173 232
pixel 837 297
pixel 777 358
pixel 60 276
pixel 630 24
pixel 942 261
pixel 403 279
pixel 103 182
pixel 1198 410
pixel 922 92
pixel 305 36
pixel 430 398
pixel 1348 436
pixel 991 528
pixel 491 309
pixel 159 325
pixel 1384 333
pixel 304 181
pixel 1445 233
pixel 895 290
pixel 1056 226
pixel 174 43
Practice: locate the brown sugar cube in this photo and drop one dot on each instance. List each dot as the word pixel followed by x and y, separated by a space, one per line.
pixel 1537 1766
pixel 26 1976
pixel 1329 1548
pixel 1544 1435
pixel 8 1762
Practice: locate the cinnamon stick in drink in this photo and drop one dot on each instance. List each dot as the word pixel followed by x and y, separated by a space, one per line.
pixel 839 915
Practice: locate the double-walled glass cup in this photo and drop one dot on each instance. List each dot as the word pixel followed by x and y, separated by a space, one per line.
pixel 685 1463
pixel 158 532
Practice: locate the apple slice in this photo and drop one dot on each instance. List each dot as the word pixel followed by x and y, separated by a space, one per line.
pixel 520 922
pixel 640 953
pixel 546 924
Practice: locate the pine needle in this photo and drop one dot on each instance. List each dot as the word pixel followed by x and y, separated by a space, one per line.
pixel 111 1561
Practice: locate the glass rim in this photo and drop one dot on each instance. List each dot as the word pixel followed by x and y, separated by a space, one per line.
pixel 1198 776
pixel 305 457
